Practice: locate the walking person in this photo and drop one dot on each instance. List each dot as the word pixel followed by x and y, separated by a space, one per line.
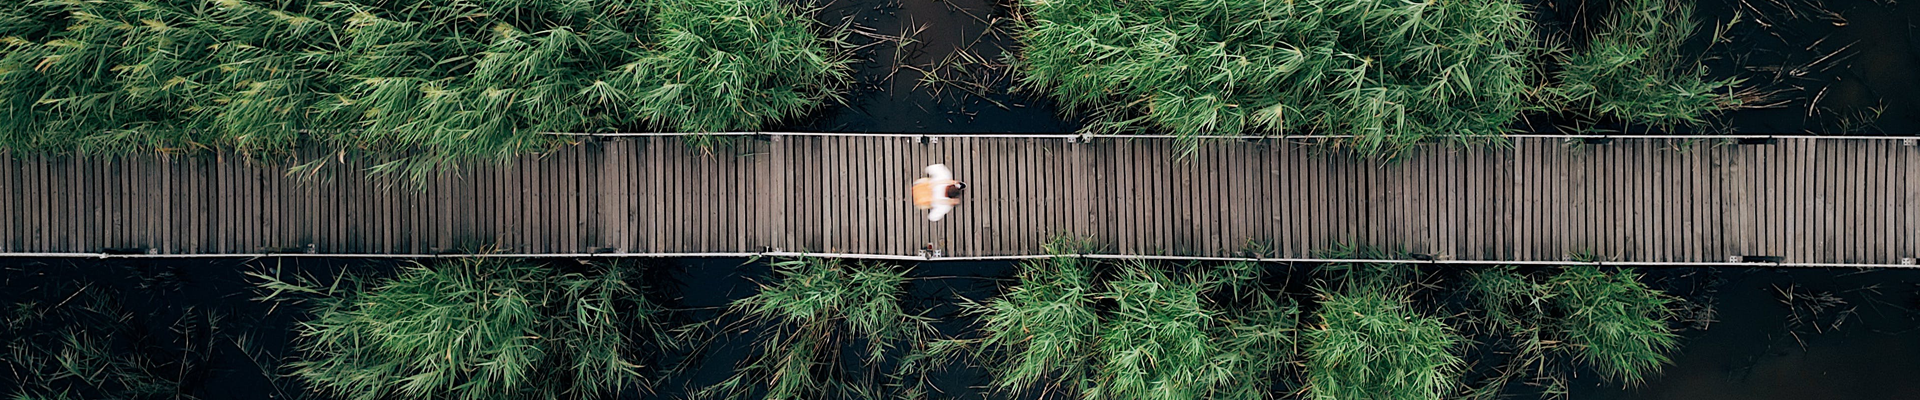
pixel 937 192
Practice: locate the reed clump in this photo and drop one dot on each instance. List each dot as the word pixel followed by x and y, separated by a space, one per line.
pixel 814 309
pixel 473 329
pixel 1368 342
pixel 1632 70
pixel 427 82
pixel 1605 320
pixel 1166 335
pixel 1391 73
pixel 1618 326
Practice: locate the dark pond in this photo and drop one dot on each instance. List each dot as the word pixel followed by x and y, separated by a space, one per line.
pixel 1775 334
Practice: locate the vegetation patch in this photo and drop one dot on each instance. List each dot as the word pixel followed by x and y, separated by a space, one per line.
pixel 1165 336
pixel 1369 344
pixel 813 310
pixel 1389 72
pixel 1632 70
pixel 1617 325
pixel 428 81
pixel 1608 321
pixel 473 329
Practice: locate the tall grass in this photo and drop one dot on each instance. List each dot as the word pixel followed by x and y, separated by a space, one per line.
pixel 1632 69
pixel 1368 344
pixel 1391 72
pixel 1166 335
pixel 426 82
pixel 1607 321
pixel 1044 327
pixel 815 308
pixel 474 329
pixel 1618 326
pixel 1166 339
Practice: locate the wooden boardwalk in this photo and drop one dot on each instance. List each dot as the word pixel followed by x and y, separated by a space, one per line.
pixel 1543 199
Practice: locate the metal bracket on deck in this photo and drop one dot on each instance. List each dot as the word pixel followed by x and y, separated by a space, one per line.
pixel 1910 142
pixel 924 139
pixel 1906 260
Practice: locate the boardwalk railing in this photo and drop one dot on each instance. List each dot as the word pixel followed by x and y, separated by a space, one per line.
pixel 1776 200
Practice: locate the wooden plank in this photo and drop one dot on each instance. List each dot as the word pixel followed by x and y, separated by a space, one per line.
pixel 1793 203
pixel 1650 200
pixel 21 202
pixel 1712 230
pixel 1910 171
pixel 12 209
pixel 1880 232
pixel 1734 181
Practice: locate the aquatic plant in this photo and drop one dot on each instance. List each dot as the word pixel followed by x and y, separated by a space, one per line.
pixel 424 82
pixel 1632 69
pixel 1368 344
pixel 1166 337
pixel 1617 325
pixel 1044 327
pixel 1607 321
pixel 1391 73
pixel 814 309
pixel 1506 299
pixel 473 329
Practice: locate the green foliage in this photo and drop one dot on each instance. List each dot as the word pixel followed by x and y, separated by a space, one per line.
pixel 1369 345
pixel 730 65
pixel 814 309
pixel 1632 69
pixel 1166 338
pixel 475 329
pixel 1507 300
pixel 426 81
pixel 1610 322
pixel 1617 325
pixel 1390 72
pixel 1047 323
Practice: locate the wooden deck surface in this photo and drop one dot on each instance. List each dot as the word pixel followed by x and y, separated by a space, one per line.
pixel 1648 200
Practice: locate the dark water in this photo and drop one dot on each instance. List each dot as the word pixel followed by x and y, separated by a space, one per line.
pixel 1842 66
pixel 1863 345
pixel 1755 351
pixel 961 43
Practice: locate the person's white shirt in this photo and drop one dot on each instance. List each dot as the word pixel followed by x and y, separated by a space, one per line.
pixel 936 192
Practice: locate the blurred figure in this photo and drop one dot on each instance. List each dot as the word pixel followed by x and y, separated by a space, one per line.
pixel 938 192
